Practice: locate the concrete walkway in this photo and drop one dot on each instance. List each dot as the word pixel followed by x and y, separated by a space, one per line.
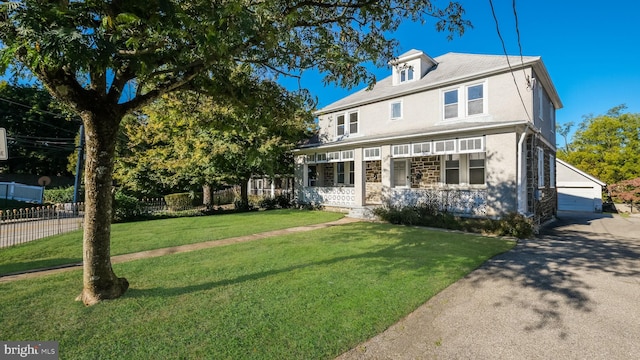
pixel 571 293
pixel 178 249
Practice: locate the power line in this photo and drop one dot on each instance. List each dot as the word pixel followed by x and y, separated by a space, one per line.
pixel 515 15
pixel 44 112
pixel 504 49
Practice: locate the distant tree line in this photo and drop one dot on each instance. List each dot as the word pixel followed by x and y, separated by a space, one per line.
pixel 608 147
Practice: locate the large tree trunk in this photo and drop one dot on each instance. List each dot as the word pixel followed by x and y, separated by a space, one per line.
pixel 207 196
pixel 99 280
pixel 244 194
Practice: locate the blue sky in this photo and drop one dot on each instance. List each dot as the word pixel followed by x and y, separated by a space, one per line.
pixel 590 48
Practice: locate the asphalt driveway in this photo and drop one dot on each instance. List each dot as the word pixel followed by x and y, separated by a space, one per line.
pixel 571 293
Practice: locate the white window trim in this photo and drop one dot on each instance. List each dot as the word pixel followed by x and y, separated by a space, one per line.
pixel 310 158
pixel 463 173
pixel 443 173
pixel 374 157
pixel 434 150
pixel 333 156
pixel 347 155
pixel 406 69
pixel 484 98
pixel 540 106
pixel 444 91
pixel 467 151
pixel 344 124
pixel 321 158
pixel 407 165
pixel 422 153
pixel 463 100
pixel 469 167
pixel 347 173
pixel 348 121
pixel 540 168
pixel 407 154
pixel 391 110
pixel 552 171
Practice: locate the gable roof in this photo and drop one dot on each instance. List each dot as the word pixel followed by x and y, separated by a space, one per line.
pixel 580 172
pixel 451 68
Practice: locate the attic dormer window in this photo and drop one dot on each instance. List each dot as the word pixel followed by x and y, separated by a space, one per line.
pixel 406 73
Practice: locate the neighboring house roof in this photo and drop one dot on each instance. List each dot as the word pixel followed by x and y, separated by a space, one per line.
pixel 451 68
pixel 579 172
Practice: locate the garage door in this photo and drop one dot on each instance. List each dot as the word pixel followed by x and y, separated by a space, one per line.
pixel 576 199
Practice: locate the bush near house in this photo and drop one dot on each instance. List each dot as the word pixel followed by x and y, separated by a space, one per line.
pixel 626 192
pixel 428 214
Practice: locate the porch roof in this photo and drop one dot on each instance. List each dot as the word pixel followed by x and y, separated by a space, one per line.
pixel 457 129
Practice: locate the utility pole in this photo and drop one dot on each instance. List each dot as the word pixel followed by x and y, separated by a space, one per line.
pixel 76 185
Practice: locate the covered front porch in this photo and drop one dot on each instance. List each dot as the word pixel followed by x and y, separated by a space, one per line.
pixel 451 172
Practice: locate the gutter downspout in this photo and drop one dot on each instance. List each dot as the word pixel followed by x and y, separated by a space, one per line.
pixel 521 197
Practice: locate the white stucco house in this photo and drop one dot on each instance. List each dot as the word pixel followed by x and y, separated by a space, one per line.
pixel 577 190
pixel 455 125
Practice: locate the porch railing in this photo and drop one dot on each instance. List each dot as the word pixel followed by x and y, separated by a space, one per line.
pixel 330 196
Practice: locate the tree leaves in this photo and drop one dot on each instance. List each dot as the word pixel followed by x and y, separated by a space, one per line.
pixel 607 146
pixel 189 138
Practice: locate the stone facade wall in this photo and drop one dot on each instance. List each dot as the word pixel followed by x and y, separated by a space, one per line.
pixel 373 171
pixel 373 191
pixel 541 201
pixel 429 168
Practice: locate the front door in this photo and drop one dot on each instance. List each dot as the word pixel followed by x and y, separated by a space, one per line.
pixel 400 173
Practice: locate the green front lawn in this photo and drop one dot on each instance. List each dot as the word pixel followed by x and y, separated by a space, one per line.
pixel 148 235
pixel 307 295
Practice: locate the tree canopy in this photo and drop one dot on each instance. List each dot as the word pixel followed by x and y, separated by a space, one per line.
pixel 105 59
pixel 607 146
pixel 190 138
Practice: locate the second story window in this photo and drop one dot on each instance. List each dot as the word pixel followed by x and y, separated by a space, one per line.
pixel 464 101
pixel 475 100
pixel 396 110
pixel 451 104
pixel 340 125
pixel 347 123
pixel 353 122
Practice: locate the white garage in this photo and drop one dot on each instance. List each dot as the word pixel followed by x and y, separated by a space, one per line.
pixel 577 190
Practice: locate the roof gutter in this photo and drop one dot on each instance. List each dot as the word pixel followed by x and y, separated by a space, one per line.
pixel 397 138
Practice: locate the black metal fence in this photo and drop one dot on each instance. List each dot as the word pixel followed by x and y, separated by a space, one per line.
pixel 23 225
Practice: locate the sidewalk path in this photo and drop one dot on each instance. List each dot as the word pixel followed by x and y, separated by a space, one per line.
pixel 179 249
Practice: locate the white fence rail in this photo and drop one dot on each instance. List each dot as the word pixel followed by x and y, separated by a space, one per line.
pixel 21 192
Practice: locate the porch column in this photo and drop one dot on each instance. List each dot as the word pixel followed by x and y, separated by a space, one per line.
pixel 301 177
pixel 359 178
pixel 385 154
